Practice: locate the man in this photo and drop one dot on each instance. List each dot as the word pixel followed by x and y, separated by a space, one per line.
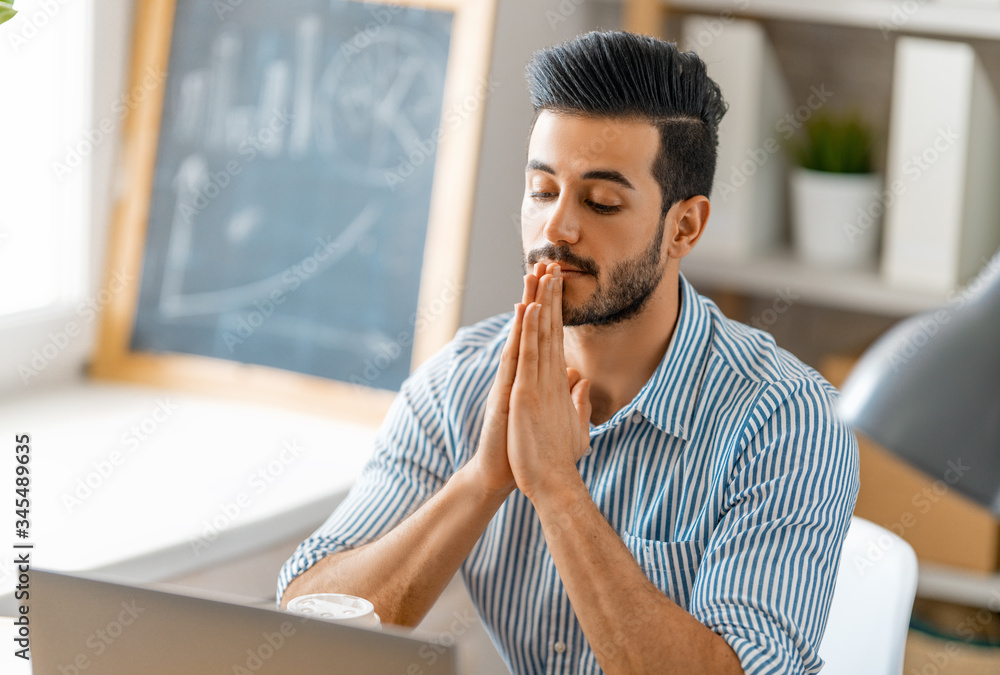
pixel 627 480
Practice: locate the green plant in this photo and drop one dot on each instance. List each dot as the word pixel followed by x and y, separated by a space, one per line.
pixel 835 144
pixel 7 10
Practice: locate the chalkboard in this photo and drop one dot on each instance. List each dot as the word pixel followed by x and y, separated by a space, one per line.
pixel 300 183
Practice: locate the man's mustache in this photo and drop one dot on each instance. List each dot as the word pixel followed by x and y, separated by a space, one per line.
pixel 562 255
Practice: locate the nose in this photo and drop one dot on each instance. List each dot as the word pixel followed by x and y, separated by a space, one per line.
pixel 562 223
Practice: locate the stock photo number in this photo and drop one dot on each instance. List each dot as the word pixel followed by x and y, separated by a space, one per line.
pixel 22 524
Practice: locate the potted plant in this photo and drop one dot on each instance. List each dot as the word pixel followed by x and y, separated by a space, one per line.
pixel 7 10
pixel 835 196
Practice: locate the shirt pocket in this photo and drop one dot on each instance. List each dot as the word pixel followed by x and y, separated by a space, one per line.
pixel 670 565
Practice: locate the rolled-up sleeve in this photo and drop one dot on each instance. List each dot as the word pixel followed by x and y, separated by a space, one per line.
pixel 410 462
pixel 768 573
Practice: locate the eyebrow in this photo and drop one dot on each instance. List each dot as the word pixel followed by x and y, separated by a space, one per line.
pixel 596 174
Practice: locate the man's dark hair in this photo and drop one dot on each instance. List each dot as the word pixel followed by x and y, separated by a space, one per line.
pixel 623 75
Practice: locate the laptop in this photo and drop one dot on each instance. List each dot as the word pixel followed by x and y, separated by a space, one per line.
pixel 83 625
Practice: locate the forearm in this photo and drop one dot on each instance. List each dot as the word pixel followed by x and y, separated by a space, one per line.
pixel 631 626
pixel 405 571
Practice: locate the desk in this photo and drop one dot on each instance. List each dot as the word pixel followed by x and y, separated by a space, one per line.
pixel 147 484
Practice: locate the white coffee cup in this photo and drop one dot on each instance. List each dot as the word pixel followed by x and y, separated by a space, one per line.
pixel 346 609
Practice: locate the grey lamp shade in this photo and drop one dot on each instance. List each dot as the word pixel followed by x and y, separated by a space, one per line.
pixel 929 390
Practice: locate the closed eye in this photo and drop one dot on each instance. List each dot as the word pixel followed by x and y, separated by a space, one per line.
pixel 603 208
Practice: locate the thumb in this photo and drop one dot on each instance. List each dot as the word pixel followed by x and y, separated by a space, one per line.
pixel 581 401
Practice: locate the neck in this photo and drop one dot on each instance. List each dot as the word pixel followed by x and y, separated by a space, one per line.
pixel 619 359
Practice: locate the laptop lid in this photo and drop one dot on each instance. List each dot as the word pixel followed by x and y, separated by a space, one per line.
pixel 81 626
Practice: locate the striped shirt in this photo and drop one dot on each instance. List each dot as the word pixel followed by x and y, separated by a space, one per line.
pixel 729 478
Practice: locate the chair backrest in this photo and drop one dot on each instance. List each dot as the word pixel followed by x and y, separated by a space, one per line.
pixel 870 614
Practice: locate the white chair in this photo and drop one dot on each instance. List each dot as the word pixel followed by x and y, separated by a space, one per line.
pixel 876 583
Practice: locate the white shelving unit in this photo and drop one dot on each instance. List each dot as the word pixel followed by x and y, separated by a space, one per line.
pixel 766 275
pixel 929 18
pixel 938 582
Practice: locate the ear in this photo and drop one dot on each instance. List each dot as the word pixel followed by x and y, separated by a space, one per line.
pixel 685 222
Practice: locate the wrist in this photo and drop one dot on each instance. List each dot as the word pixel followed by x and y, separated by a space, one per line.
pixel 557 488
pixel 562 507
pixel 481 488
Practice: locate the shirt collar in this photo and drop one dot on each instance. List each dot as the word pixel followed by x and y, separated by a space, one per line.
pixel 669 397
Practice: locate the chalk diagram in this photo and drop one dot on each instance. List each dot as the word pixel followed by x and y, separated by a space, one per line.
pixel 191 178
pixel 384 93
pixel 364 111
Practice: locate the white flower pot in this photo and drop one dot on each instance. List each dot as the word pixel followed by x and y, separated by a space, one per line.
pixel 836 217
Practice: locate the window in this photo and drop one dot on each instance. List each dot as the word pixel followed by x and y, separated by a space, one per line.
pixel 46 141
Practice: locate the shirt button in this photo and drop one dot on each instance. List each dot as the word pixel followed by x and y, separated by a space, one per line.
pixel 589 451
pixel 636 417
pixel 560 647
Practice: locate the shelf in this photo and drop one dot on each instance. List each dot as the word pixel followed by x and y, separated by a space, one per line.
pixel 771 274
pixel 888 16
pixel 938 582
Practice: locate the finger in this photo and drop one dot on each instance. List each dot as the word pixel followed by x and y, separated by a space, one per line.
pixel 573 375
pixel 545 326
pixel 527 357
pixel 581 397
pixel 499 395
pixel 581 401
pixel 556 318
pixel 530 286
pixel 540 269
pixel 508 358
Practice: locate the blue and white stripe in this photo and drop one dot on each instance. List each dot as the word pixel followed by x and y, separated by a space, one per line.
pixel 729 478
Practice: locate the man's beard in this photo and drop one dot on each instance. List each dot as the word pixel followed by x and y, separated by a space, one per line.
pixel 620 296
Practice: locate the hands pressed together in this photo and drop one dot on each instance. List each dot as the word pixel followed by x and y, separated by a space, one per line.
pixel 537 415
